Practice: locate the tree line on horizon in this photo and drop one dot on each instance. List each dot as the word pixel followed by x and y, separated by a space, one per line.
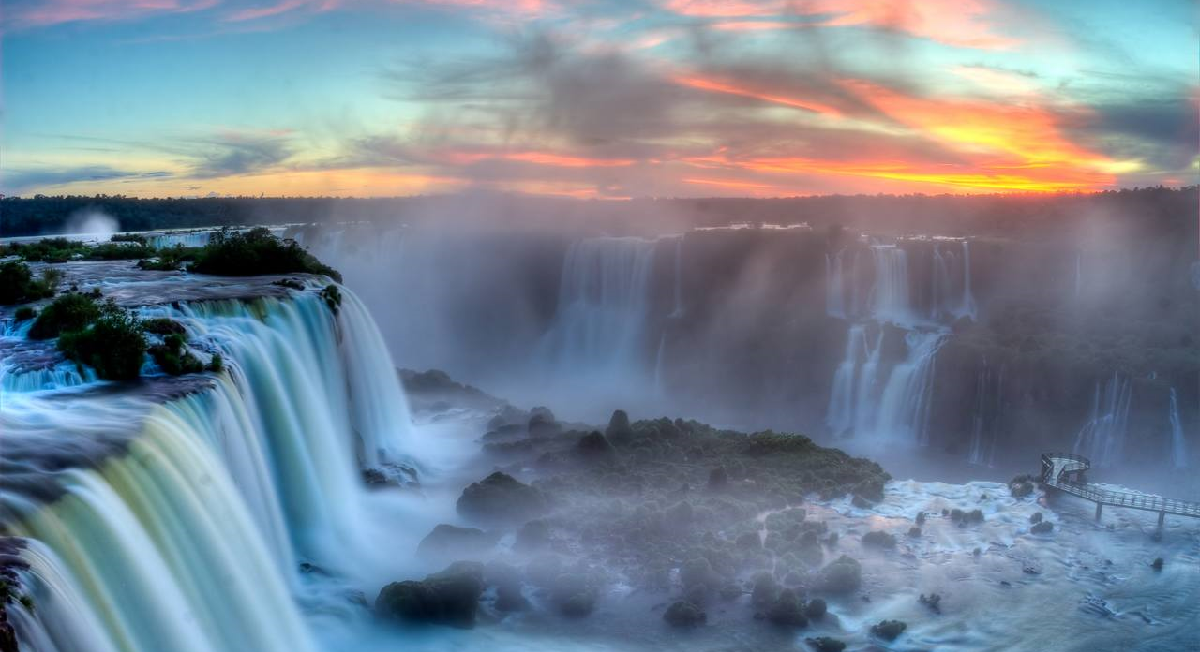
pixel 1158 212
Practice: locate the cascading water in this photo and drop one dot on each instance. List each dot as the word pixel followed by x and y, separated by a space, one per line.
pixel 840 417
pixel 893 404
pixel 603 307
pixel 1178 445
pixel 968 307
pixel 677 311
pixel 988 410
pixel 1102 438
pixel 889 297
pixel 183 532
pixel 835 285
pixel 904 406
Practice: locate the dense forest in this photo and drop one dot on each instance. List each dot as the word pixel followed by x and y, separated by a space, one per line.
pixel 1154 212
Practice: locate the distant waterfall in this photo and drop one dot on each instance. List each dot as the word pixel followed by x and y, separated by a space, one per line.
pixel 895 405
pixel 889 298
pixel 183 533
pixel 840 417
pixel 1102 438
pixel 603 307
pixel 835 285
pixel 968 307
pixel 987 411
pixel 186 239
pixel 677 311
pixel 907 397
pixel 1178 445
pixel 1078 273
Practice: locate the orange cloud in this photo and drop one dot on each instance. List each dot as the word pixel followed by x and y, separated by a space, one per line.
pixel 730 88
pixel 1030 135
pixel 536 157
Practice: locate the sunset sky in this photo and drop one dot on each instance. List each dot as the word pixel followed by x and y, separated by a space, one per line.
pixel 592 99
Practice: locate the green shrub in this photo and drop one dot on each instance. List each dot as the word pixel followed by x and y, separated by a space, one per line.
pixel 173 359
pixel 332 297
pixel 70 312
pixel 170 259
pixel 128 237
pixel 163 326
pixel 217 363
pixel 256 252
pixel 17 284
pixel 113 345
pixel 25 313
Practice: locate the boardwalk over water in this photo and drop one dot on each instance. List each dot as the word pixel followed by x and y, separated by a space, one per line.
pixel 1066 472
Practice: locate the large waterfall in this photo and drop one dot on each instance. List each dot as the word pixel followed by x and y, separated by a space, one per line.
pixel 603 308
pixel 869 399
pixel 173 516
pixel 987 412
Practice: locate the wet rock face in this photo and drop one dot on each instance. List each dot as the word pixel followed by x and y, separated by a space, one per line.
pixel 446 598
pixel 843 575
pixel 500 498
pixel 888 630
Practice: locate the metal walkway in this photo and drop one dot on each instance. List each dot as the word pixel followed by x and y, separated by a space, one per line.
pixel 1066 472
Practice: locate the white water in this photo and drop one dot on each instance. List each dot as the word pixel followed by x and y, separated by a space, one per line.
pixel 677 311
pixel 988 409
pixel 17 380
pixel 1102 438
pixel 603 307
pixel 835 285
pixel 890 404
pixel 889 297
pixel 189 540
pixel 1179 456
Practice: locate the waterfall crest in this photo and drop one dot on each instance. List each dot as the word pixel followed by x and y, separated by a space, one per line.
pixel 603 307
pixel 173 517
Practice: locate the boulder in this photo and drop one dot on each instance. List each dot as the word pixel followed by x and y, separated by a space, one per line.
pixel 1157 564
pixel 500 497
pixel 842 575
pixel 825 644
pixel 543 424
pixel 888 630
pixel 594 446
pixel 787 610
pixel 765 589
pixel 879 539
pixel 458 542
pixel 815 609
pixel 1043 527
pixel 933 601
pixel 914 532
pixel 684 614
pixel 574 595
pixel 718 478
pixel 1035 518
pixel 449 597
pixel 619 429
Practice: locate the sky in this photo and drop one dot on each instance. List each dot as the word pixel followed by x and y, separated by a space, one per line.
pixel 596 99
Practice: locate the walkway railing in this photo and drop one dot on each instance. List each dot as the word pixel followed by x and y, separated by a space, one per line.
pixel 1057 465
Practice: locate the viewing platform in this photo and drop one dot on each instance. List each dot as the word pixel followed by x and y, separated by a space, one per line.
pixel 1066 472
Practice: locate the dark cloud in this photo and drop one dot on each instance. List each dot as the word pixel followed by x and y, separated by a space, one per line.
pixel 238 154
pixel 16 181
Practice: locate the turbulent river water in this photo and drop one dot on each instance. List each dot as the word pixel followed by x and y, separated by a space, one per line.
pixel 227 511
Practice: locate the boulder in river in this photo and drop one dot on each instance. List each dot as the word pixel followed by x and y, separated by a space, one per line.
pixel 500 497
pixel 449 597
pixel 684 614
pixel 457 542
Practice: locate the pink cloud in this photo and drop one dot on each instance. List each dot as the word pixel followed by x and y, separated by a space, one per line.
pixel 55 12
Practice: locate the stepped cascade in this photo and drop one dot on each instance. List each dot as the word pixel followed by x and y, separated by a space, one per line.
pixel 198 496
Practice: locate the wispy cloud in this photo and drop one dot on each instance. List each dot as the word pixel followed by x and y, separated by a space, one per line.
pixel 20 14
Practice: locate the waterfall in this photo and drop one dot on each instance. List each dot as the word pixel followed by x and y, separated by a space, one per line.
pixel 985 415
pixel 187 239
pixel 889 297
pixel 1178 445
pixel 867 401
pixel 15 379
pixel 907 397
pixel 941 284
pixel 1102 438
pixel 677 311
pixel 173 517
pixel 1078 273
pixel 840 417
pixel 967 308
pixel 835 285
pixel 603 306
